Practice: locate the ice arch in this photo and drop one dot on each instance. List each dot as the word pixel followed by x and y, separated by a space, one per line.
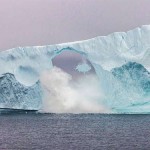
pixel 28 67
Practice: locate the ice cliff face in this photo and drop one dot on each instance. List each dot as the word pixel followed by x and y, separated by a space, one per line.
pixel 133 76
pixel 135 80
pixel 123 82
pixel 17 96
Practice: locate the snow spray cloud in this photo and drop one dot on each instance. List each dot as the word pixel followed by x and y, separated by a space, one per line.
pixel 63 95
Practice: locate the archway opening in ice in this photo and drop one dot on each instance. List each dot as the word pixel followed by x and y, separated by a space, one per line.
pixel 73 63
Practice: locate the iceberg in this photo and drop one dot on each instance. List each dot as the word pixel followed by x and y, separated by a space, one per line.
pixel 120 60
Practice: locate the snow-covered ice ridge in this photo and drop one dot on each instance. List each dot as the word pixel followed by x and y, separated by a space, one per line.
pixel 104 52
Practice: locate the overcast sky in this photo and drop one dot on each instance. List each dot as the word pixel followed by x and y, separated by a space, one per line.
pixel 41 22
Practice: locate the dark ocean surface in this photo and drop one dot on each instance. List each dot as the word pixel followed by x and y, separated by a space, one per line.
pixel 74 132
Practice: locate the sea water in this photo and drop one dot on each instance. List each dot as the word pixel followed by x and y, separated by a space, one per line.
pixel 74 131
